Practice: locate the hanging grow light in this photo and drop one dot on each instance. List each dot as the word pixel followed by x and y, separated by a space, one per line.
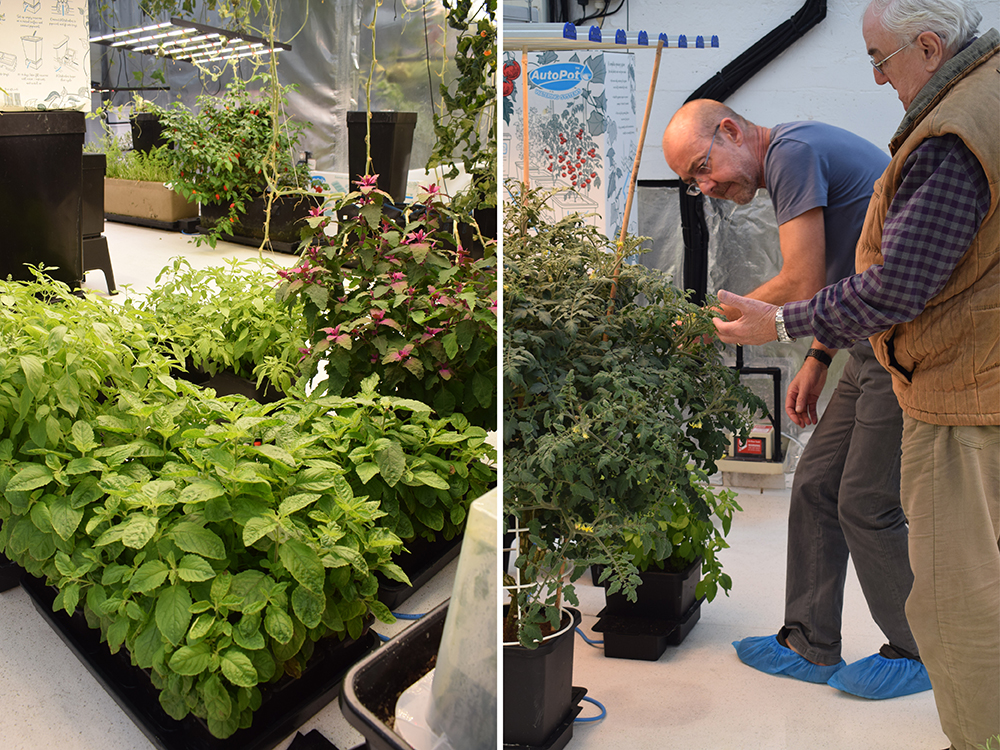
pixel 186 40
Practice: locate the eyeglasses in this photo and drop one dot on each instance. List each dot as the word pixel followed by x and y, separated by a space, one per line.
pixel 703 170
pixel 878 65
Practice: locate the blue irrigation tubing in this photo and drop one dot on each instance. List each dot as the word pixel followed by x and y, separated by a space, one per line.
pixel 588 719
pixel 591 641
pixel 404 616
pixel 383 638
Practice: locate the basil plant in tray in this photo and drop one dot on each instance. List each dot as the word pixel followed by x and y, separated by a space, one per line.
pixel 616 405
pixel 216 540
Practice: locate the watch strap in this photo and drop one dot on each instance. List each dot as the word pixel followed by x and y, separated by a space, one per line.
pixel 821 355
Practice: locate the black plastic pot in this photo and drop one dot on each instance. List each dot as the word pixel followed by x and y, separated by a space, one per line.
pixel 663 614
pixel 662 594
pixel 373 686
pixel 539 700
pixel 645 638
pixel 391 143
pixel 40 185
pixel 422 561
pixel 147 132
pixel 286 704
pixel 10 573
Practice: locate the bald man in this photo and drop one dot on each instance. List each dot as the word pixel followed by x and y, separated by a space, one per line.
pixel 845 495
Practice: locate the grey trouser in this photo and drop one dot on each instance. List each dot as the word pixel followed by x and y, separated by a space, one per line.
pixel 845 502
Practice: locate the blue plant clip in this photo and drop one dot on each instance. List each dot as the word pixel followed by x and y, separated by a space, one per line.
pixel 569 31
pixel 699 42
pixel 595 34
pixel 715 40
pixel 682 41
pixel 620 37
pixel 663 38
pixel 643 39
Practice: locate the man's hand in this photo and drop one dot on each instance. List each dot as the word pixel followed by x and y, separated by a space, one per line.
pixel 755 326
pixel 803 392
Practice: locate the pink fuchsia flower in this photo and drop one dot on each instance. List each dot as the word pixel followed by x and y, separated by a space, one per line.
pixel 429 334
pixel 377 314
pixel 415 237
pixel 316 211
pixel 367 183
pixel 305 352
pixel 493 307
pixel 397 275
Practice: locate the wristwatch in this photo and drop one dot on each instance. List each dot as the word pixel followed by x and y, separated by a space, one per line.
pixel 820 355
pixel 779 325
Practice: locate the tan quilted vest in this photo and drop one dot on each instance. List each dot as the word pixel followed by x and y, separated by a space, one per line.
pixel 946 362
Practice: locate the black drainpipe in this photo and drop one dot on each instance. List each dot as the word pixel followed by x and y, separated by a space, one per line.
pixel 722 85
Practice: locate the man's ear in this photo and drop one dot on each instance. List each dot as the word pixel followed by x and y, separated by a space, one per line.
pixel 730 127
pixel 932 51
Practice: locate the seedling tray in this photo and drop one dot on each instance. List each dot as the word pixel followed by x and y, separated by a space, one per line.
pixel 373 686
pixel 286 705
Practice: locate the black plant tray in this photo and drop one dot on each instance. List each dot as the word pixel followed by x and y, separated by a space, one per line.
pixel 276 246
pixel 643 637
pixel 373 686
pixel 424 560
pixel 10 574
pixel 186 226
pixel 563 733
pixel 286 705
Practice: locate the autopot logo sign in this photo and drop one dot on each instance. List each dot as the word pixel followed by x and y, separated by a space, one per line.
pixel 560 80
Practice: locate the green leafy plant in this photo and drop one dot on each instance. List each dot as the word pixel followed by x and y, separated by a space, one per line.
pixel 616 406
pixel 227 317
pixel 234 148
pixel 217 540
pixel 397 294
pixel 465 122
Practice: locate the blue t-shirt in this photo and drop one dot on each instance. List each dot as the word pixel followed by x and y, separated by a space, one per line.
pixel 810 164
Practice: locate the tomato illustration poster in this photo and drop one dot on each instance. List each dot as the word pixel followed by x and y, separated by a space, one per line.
pixel 582 131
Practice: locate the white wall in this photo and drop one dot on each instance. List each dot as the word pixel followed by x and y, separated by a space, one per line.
pixel 824 76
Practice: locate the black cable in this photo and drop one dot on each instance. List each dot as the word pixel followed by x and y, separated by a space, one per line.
pixel 603 14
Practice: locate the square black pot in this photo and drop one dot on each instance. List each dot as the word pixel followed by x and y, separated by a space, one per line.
pixel 643 638
pixel 423 560
pixel 662 595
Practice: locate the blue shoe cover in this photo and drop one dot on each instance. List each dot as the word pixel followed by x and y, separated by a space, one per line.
pixel 876 677
pixel 768 655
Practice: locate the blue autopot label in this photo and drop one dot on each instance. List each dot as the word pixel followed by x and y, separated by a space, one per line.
pixel 559 80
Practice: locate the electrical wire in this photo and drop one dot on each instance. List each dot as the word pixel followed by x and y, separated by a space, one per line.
pixel 589 719
pixel 591 641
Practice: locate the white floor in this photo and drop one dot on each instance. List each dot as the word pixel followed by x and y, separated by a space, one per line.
pixel 698 696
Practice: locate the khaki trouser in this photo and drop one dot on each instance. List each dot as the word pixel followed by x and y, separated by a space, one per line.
pixel 950 491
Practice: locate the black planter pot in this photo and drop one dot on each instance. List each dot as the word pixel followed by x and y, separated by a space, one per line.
pixel 663 614
pixel 539 700
pixel 373 686
pixel 147 132
pixel 391 143
pixel 287 220
pixel 285 705
pixel 41 173
pixel 422 561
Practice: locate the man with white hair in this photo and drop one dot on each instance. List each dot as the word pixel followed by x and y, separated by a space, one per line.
pixel 927 293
